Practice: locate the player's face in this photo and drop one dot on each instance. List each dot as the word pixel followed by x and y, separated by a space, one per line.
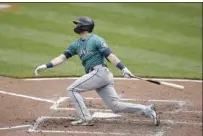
pixel 84 35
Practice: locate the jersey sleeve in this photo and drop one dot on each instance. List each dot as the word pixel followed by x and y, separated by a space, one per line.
pixel 71 50
pixel 103 47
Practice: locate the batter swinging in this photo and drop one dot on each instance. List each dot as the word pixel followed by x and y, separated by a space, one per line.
pixel 92 51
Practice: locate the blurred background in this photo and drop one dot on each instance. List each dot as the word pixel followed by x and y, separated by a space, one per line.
pixel 151 39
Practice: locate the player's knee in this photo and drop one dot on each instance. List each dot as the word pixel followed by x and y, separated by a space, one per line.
pixel 72 88
pixel 70 91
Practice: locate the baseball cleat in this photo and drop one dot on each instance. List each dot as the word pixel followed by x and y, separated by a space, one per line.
pixel 82 122
pixel 153 115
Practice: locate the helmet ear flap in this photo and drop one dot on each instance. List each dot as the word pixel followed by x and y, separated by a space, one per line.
pixel 91 28
pixel 81 28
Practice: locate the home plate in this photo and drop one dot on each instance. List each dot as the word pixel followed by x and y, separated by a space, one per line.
pixel 104 115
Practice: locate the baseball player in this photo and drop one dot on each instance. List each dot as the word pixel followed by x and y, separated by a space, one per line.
pixel 92 50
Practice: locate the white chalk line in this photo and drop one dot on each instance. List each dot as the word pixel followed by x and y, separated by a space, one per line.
pixel 61 99
pixel 42 118
pixel 172 122
pixel 181 122
pixel 80 132
pixel 38 121
pixel 56 107
pixel 181 103
pixel 15 127
pixel 28 97
pixel 160 133
pixel 163 130
pixel 108 110
pixel 117 78
pixel 137 100
pixel 90 98
pixel 111 119
pixel 56 104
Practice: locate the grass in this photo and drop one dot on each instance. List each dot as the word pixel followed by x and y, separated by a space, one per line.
pixel 152 39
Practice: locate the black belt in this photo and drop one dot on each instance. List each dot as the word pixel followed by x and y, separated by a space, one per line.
pixel 97 67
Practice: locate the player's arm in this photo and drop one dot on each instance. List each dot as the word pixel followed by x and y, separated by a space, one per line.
pixel 58 60
pixel 107 53
pixel 54 62
pixel 116 62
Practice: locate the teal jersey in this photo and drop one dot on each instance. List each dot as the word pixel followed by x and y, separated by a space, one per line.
pixel 89 50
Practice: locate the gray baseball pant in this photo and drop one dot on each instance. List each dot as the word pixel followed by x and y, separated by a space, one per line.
pixel 101 80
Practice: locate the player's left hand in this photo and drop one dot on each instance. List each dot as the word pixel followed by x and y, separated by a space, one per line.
pixel 40 68
pixel 127 73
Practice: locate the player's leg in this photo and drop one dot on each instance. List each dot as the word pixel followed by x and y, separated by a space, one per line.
pixel 110 97
pixel 91 81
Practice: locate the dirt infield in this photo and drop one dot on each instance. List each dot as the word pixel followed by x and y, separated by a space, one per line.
pixel 8 7
pixel 42 108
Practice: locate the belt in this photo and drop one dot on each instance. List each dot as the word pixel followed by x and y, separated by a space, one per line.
pixel 97 67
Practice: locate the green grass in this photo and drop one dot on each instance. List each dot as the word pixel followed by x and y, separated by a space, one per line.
pixel 151 39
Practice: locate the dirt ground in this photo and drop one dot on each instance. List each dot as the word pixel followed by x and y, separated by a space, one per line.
pixel 24 101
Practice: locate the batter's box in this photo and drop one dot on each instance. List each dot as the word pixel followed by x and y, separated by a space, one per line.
pixel 101 127
pixel 96 104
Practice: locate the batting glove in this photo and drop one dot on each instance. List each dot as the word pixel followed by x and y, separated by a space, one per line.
pixel 40 68
pixel 127 73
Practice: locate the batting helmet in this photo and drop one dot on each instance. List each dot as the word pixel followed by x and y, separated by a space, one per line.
pixel 83 24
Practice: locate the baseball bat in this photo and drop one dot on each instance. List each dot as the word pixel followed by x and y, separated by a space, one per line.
pixel 162 83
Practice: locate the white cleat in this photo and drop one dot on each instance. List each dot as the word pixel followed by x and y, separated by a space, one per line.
pixel 153 115
pixel 82 122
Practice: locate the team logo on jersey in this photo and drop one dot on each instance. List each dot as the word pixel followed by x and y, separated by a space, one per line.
pixel 104 44
pixel 84 52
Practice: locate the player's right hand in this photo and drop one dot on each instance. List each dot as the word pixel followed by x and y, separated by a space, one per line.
pixel 40 68
pixel 127 73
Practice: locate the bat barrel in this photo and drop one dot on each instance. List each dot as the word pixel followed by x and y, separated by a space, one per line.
pixel 162 83
pixel 172 85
